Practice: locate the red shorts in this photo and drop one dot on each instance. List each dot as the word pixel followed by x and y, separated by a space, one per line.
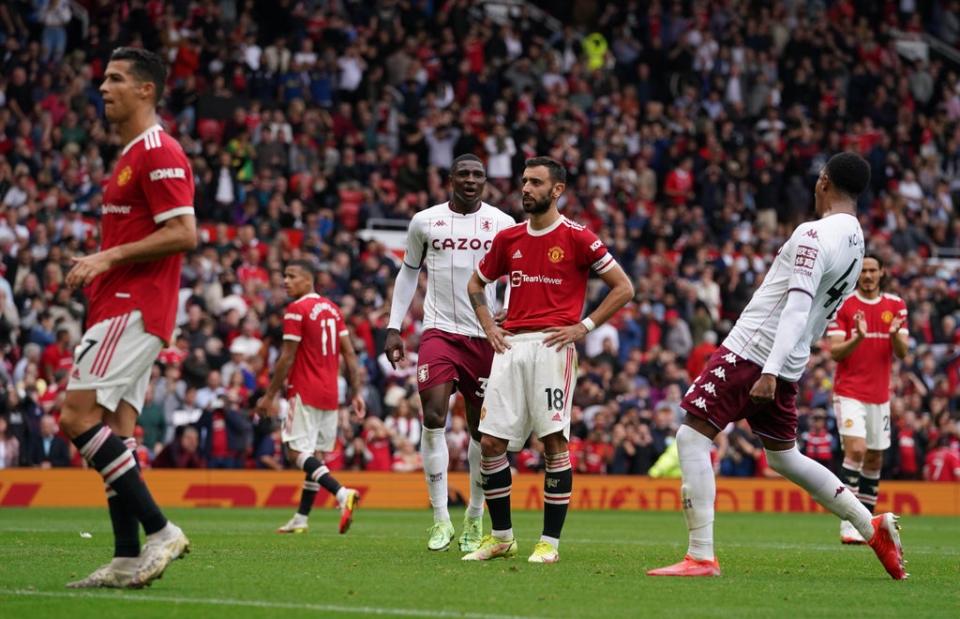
pixel 447 357
pixel 721 395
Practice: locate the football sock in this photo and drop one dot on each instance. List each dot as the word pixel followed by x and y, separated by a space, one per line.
pixel 850 474
pixel 436 459
pixel 496 489
pixel 307 496
pixel 698 492
pixel 475 506
pixel 126 527
pixel 823 486
pixel 869 488
pixel 116 464
pixel 557 486
pixel 318 473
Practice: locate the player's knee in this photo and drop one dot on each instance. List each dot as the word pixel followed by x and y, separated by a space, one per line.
pixel 873 460
pixel 857 453
pixel 434 418
pixel 77 416
pixel 492 446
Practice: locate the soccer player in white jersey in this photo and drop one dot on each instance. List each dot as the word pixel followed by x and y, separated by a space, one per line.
pixel 132 284
pixel 754 374
pixel 449 239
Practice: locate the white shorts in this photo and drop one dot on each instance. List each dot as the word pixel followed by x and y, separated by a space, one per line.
pixel 114 358
pixel 530 389
pixel 308 429
pixel 862 420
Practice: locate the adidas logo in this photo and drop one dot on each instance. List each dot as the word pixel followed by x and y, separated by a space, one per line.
pixel 558 417
pixel 517 255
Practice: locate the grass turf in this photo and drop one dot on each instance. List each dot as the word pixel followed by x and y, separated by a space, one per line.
pixel 774 564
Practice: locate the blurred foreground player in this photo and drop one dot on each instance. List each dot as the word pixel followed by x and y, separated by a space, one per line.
pixel 754 374
pixel 869 326
pixel 314 339
pixel 132 284
pixel 449 239
pixel 548 260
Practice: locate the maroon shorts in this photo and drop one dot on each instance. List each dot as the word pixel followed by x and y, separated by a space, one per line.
pixel 721 394
pixel 447 357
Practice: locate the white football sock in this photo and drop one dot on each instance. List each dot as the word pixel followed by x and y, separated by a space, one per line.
pixel 553 541
pixel 475 507
pixel 698 492
pixel 825 488
pixel 341 496
pixel 436 459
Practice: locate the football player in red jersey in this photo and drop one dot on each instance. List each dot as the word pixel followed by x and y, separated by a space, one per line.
pixel 868 327
pixel 132 285
pixel 547 261
pixel 314 338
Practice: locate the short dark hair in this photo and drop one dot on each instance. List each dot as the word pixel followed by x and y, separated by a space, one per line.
pixel 874 257
pixel 558 174
pixel 145 65
pixel 308 267
pixel 465 157
pixel 849 173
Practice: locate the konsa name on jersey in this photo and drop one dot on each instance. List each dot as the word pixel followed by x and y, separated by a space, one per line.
pixel 461 243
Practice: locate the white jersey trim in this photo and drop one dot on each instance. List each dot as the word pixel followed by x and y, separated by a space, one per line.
pixel 292 338
pixel 864 299
pixel 174 212
pixel 155 128
pixel 292 316
pixel 546 230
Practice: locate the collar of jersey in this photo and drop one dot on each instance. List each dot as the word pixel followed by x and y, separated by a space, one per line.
pixel 476 212
pixel 547 230
pixel 309 295
pixel 140 137
pixel 864 299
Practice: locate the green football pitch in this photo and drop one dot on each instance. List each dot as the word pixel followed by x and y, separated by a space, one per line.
pixel 774 565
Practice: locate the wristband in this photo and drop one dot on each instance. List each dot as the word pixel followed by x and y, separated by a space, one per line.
pixel 586 322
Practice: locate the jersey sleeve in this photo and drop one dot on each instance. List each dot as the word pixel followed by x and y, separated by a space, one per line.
pixel 493 265
pixel 292 323
pixel 840 325
pixel 167 183
pixel 902 314
pixel 808 261
pixel 416 244
pixel 593 253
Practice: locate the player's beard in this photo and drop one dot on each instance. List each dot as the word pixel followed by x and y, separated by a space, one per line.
pixel 536 207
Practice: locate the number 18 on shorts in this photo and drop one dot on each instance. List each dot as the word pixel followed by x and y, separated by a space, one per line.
pixel 530 389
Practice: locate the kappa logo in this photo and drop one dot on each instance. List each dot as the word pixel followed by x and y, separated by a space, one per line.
pixel 730 358
pixel 439 223
pixel 700 403
pixel 555 254
pixel 423 373
pixel 710 388
pixel 838 491
pixel 486 224
pixel 719 373
pixel 811 233
pixel 517 255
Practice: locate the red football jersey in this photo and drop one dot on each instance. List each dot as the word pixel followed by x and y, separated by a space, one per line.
pixel 548 271
pixel 865 374
pixel 151 183
pixel 317 324
pixel 942 465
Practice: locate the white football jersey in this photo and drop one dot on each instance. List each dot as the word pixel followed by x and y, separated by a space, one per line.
pixel 450 245
pixel 822 258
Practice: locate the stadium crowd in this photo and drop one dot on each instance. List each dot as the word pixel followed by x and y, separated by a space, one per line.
pixel 693 133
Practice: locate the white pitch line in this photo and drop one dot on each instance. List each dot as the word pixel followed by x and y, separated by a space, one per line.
pixel 329 608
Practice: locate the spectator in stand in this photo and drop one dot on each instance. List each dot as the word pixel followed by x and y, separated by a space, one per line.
pixel 49 450
pixel 182 452
pixel 9 446
pixel 943 463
